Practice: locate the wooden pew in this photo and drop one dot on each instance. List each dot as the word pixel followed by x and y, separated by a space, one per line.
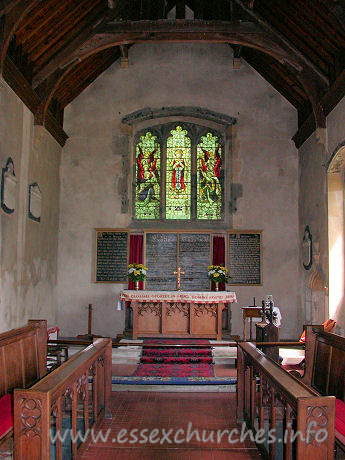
pixel 325 372
pixel 62 402
pixel 268 398
pixel 23 357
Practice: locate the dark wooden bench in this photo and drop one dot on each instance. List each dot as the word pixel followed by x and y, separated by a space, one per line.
pixel 325 372
pixel 71 399
pixel 271 400
pixel 23 361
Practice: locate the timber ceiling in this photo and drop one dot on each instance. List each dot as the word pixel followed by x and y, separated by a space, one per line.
pixel 51 50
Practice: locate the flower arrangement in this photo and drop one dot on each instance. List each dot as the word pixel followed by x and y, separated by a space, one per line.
pixel 218 274
pixel 137 272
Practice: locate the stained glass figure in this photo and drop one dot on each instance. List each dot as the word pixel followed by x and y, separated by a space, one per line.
pixel 178 175
pixel 209 193
pixel 147 196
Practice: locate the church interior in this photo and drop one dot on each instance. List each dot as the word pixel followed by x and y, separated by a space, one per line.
pixel 172 229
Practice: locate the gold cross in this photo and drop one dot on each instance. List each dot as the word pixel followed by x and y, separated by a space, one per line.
pixel 178 273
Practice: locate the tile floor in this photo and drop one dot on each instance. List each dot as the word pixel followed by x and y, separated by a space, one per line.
pixel 171 411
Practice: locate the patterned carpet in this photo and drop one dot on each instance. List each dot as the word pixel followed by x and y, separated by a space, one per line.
pixel 181 362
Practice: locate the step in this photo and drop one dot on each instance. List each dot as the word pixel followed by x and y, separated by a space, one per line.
pixel 176 388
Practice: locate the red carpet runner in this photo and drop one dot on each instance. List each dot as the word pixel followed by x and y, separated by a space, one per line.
pixel 175 361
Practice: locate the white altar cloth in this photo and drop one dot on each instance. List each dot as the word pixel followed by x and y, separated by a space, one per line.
pixel 179 296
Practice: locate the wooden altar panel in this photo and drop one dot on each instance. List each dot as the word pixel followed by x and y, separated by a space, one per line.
pixel 177 313
pixel 149 318
pixel 205 319
pixel 177 318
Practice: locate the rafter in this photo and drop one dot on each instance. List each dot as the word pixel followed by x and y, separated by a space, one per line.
pixel 7 5
pixel 11 23
pixel 285 44
pixel 127 32
pixel 314 82
pixel 338 9
pixel 63 55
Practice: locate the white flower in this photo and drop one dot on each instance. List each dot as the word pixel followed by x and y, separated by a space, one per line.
pixel 143 271
pixel 211 272
pixel 131 270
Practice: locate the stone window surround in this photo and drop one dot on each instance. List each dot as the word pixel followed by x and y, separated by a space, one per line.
pixel 198 122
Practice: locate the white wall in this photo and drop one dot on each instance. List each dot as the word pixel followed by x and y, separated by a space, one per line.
pixel 28 250
pixel 314 159
pixel 265 162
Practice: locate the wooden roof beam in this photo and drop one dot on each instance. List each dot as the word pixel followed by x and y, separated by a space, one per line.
pixel 124 56
pixel 105 35
pixel 337 7
pixel 236 58
pixel 62 56
pixel 284 43
pixel 10 23
pixel 7 5
pixel 46 92
pixel 240 33
pixel 314 82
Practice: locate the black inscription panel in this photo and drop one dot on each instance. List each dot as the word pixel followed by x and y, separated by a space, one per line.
pixel 161 261
pixel 111 256
pixel 194 258
pixel 245 258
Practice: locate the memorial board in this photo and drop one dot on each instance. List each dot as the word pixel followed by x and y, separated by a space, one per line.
pixel 161 261
pixel 194 258
pixel 245 257
pixel 111 259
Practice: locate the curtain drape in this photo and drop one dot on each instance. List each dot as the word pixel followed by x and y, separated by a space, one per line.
pixel 136 244
pixel 218 257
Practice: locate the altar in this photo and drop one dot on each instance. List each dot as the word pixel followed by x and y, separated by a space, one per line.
pixel 191 314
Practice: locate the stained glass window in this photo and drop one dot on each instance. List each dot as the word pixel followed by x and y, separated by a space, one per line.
pixel 147 194
pixel 178 175
pixel 209 193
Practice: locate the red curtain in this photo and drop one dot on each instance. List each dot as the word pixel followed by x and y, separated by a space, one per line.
pixel 136 244
pixel 218 257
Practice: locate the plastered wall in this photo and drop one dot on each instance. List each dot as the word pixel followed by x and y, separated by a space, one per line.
pixel 28 249
pixel 314 160
pixel 264 162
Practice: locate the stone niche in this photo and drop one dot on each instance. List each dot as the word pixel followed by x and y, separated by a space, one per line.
pixel 8 187
pixel 35 202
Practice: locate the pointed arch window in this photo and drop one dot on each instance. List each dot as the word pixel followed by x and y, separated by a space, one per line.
pixel 179 173
pixel 209 187
pixel 147 194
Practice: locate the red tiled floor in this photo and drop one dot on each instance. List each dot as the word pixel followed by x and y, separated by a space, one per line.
pixel 225 370
pixel 123 369
pixel 204 412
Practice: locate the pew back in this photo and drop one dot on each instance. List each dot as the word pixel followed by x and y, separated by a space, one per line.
pixel 74 397
pixel 268 398
pixel 23 356
pixel 325 362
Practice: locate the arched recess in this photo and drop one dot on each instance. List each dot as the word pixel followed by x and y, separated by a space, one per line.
pixel 335 176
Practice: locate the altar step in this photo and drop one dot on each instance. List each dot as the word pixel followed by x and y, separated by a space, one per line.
pixel 131 354
pixel 228 388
